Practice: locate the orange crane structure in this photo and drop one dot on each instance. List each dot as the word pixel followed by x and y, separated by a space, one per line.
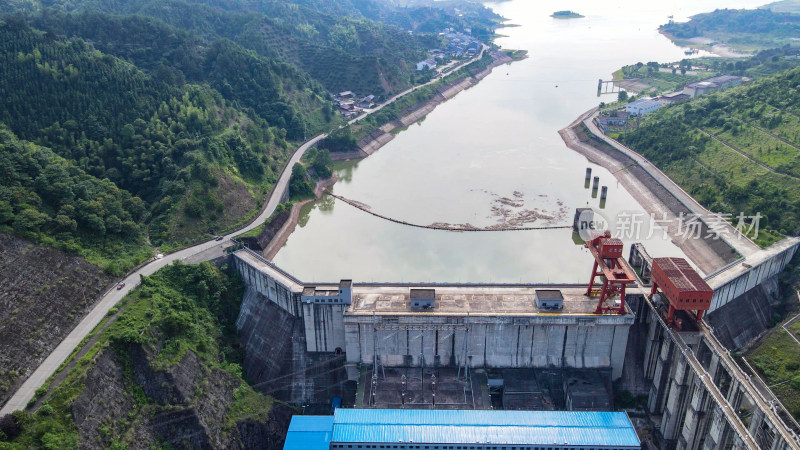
pixel 684 289
pixel 612 267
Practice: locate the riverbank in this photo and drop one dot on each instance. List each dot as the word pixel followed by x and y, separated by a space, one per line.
pixel 383 135
pixel 657 199
pixel 279 239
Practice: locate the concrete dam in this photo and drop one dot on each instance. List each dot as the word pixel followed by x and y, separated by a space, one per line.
pixel 313 341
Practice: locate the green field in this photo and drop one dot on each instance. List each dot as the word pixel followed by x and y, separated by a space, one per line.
pixel 720 178
pixel 777 359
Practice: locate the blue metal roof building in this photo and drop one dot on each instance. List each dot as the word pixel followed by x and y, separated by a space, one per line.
pixel 309 433
pixel 464 430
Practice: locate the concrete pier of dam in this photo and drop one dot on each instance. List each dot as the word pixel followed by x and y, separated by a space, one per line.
pixel 469 326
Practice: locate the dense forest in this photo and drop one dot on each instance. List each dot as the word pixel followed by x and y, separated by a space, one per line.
pixel 343 51
pixel 171 146
pixel 741 28
pixel 736 151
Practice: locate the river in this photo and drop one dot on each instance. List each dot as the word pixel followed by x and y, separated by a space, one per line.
pixel 494 150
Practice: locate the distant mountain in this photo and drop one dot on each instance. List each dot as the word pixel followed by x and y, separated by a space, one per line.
pixel 789 6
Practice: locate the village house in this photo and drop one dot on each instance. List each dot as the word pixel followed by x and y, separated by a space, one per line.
pixel 367 102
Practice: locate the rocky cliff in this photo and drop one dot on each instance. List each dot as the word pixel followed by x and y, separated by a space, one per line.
pixel 166 373
pixel 188 405
pixel 44 293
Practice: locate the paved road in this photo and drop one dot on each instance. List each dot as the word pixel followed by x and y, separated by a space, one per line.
pixel 195 254
pixel 414 88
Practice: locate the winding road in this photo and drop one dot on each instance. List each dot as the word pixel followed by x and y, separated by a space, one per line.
pixel 201 252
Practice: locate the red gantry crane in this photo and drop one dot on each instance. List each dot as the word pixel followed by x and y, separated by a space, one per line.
pixel 682 286
pixel 616 273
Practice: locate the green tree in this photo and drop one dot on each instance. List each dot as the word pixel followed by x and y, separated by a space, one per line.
pixel 299 185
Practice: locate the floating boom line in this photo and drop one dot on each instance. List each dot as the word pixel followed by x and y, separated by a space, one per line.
pixel 449 227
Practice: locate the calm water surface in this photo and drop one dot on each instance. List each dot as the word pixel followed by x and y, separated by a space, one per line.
pixel 498 140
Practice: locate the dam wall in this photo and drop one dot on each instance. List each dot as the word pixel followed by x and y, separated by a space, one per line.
pixel 324 327
pixel 275 285
pixel 737 323
pixel 698 396
pixel 494 342
pixel 735 280
pixel 499 326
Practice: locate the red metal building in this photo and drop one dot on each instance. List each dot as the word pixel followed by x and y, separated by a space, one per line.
pixel 683 287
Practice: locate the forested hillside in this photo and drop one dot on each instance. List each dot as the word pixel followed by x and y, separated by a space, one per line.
pixel 180 157
pixel 736 151
pixel 343 51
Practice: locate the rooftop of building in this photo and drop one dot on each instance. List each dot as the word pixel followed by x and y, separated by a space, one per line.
pixel 311 291
pixel 422 293
pixel 549 294
pixel 602 429
pixel 309 433
pixel 714 81
pixel 643 102
pixel 681 274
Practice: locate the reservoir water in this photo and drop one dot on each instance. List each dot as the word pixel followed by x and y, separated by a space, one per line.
pixel 493 153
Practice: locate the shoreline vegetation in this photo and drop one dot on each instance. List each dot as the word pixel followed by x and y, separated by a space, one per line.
pixel 736 30
pixel 736 150
pixel 709 45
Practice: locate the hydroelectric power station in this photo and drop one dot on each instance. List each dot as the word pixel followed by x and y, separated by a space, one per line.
pixel 448 346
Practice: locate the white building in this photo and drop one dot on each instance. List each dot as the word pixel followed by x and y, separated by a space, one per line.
pixel 429 63
pixel 642 107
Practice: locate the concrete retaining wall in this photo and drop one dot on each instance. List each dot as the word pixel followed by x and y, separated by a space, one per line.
pixel 272 290
pixel 324 327
pixel 502 341
pixel 751 272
